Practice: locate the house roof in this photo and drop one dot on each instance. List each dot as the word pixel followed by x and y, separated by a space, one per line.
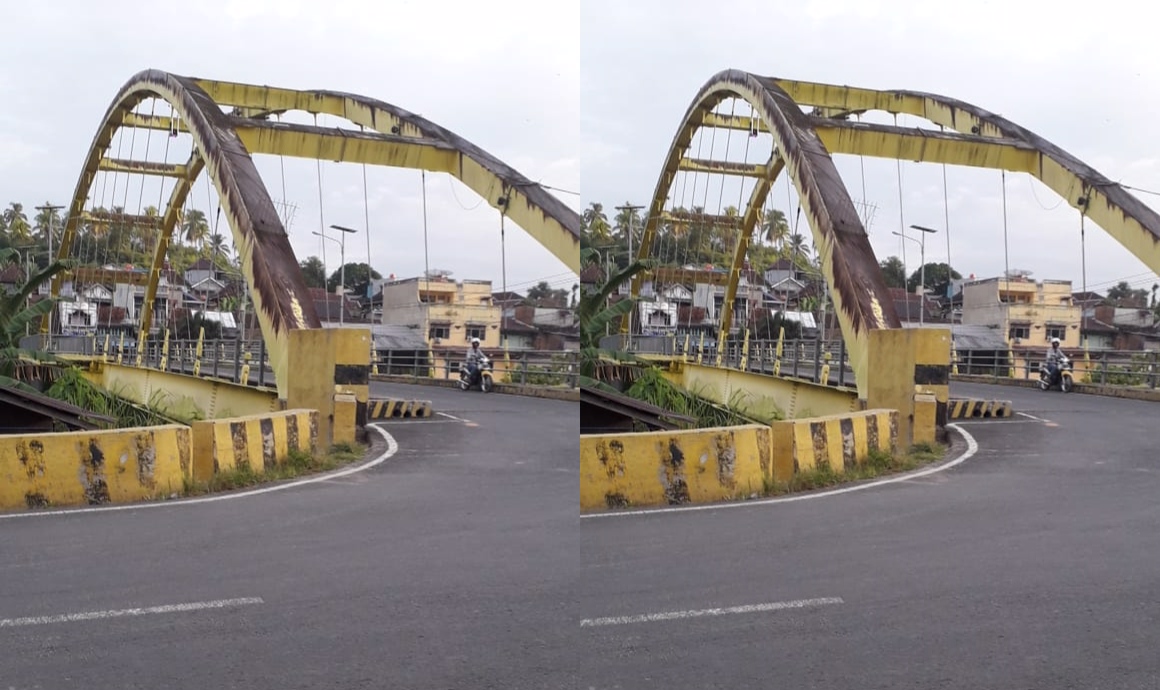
pixel 650 415
pixel 975 337
pixel 70 415
pixel 591 274
pixel 12 274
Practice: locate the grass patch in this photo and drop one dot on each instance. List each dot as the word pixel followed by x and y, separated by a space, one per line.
pixel 297 464
pixel 877 464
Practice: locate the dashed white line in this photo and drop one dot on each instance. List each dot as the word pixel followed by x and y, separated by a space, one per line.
pixel 98 615
pixel 392 448
pixel 677 615
pixel 972 448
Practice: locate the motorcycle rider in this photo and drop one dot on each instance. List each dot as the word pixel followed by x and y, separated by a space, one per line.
pixel 474 357
pixel 1054 357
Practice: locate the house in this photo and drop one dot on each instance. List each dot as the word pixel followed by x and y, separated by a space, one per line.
pixel 1030 313
pixel 914 308
pixel 11 278
pixel 330 307
pixel 450 313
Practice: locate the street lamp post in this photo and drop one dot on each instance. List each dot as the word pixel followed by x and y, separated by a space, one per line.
pixel 341 269
pixel 921 269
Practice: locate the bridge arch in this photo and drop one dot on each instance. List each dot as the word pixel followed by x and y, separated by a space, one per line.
pixel 804 143
pixel 223 145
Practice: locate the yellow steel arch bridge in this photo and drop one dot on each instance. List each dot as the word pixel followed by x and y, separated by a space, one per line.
pixel 809 122
pixel 224 142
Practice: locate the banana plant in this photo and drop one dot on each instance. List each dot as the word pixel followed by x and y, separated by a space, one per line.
pixel 596 315
pixel 16 314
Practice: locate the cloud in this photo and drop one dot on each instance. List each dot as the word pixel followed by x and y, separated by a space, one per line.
pixel 1088 93
pixel 503 75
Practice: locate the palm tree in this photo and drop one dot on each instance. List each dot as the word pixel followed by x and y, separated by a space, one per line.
pixel 596 221
pixel 194 226
pixel 17 222
pixel 774 227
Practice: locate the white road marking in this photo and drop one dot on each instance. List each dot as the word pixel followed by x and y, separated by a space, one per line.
pixel 1029 416
pixel 676 615
pixel 451 416
pixel 999 421
pixel 97 615
pixel 972 448
pixel 392 448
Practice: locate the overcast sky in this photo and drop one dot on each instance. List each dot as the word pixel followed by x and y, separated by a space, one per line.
pixel 504 75
pixel 1084 75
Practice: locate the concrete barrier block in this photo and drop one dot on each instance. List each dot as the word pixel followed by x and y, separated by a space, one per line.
pixel 394 408
pixel 258 441
pixel 837 441
pixel 673 467
pixel 93 467
pixel 975 408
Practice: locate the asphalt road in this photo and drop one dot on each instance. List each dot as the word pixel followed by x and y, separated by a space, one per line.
pixel 447 566
pixel 1034 564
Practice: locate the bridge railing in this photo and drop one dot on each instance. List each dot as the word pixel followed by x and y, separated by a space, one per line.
pixel 245 361
pixel 826 360
pixel 521 367
pixel 1127 368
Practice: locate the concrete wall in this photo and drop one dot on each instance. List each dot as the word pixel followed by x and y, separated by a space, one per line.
pixel 725 463
pixel 182 396
pixel 93 467
pixel 259 441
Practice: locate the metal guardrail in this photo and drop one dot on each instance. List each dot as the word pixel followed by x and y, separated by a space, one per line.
pixel 826 360
pixel 246 361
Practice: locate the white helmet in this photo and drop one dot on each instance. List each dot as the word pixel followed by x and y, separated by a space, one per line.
pixel 1055 341
pixel 475 341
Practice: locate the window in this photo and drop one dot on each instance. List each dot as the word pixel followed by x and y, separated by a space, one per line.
pixel 1019 332
pixel 439 332
pixel 1056 332
pixel 476 332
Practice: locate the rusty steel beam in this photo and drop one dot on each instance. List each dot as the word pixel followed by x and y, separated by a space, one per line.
pixel 278 290
pixel 538 212
pixel 703 165
pixel 121 165
pixel 110 218
pixel 331 143
pixel 861 298
pixel 154 122
pixel 687 218
pixel 1128 220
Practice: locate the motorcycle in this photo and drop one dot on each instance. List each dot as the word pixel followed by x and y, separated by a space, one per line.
pixel 482 378
pixel 1063 376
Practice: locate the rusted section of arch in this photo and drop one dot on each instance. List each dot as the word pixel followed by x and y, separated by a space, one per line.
pixel 861 297
pixel 278 291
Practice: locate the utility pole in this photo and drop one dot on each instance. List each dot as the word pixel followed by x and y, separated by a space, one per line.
pixel 631 208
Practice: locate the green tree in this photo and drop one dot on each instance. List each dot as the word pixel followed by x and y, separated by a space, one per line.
pixel 16 221
pixel 313 271
pixel 1123 292
pixel 936 278
pixel 595 222
pixel 16 315
pixel 893 271
pixel 543 292
pixel 194 227
pixel 596 314
pixel 356 278
pixel 769 326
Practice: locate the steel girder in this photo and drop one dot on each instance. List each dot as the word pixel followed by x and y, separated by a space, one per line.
pixel 223 144
pixel 977 138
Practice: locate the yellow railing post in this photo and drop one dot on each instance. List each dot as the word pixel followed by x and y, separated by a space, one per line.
pixel 685 352
pixel 701 349
pixel 245 377
pixel 745 351
pixel 197 352
pixel 778 352
pixel 164 363
pixel 121 348
pixel 374 361
pixel 824 378
pixel 954 359
pixel 105 351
